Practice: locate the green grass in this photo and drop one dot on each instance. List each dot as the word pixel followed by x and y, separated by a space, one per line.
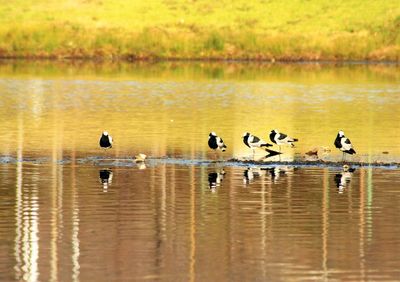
pixel 202 29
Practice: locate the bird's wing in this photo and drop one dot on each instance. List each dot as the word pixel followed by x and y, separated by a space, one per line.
pixel 346 144
pixel 255 139
pixel 282 136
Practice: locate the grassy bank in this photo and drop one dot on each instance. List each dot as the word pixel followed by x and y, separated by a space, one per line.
pixel 269 30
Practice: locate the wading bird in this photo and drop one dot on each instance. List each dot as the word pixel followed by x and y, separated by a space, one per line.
pixel 106 140
pixel 281 139
pixel 215 142
pixel 253 142
pixel 343 144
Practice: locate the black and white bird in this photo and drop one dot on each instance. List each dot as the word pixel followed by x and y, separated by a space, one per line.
pixel 106 140
pixel 343 144
pixel 215 142
pixel 253 142
pixel 281 139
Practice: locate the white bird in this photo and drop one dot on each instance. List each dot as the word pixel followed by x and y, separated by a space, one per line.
pixel 215 142
pixel 140 158
pixel 106 140
pixel 281 139
pixel 343 144
pixel 252 142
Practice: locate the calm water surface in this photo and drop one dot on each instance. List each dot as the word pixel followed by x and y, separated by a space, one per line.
pixel 178 223
pixel 169 109
pixel 62 219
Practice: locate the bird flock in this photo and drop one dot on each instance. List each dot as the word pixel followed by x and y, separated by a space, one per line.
pixel 281 139
pixel 216 143
pixel 253 142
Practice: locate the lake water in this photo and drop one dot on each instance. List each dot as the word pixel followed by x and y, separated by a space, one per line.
pixel 68 215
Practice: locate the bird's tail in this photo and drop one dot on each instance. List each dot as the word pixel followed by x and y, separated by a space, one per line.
pixel 351 151
pixel 223 148
pixel 295 140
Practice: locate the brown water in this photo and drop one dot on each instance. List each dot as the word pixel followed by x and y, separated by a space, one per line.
pixel 60 223
pixel 65 215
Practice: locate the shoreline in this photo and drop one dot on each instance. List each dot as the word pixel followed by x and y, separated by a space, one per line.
pixel 134 59
pixel 129 162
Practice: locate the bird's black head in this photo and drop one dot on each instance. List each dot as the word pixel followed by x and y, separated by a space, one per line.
pixel 246 134
pixel 212 134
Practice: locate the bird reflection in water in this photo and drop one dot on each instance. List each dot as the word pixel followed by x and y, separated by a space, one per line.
pixel 106 176
pixel 215 179
pixel 277 172
pixel 140 161
pixel 141 165
pixel 342 180
pixel 252 173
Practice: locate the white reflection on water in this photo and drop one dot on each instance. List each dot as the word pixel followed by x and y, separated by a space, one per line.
pixel 192 270
pixel 26 243
pixel 56 196
pixel 18 204
pixel 75 229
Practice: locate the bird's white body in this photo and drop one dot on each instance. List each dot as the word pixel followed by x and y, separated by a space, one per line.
pixel 140 157
pixel 345 146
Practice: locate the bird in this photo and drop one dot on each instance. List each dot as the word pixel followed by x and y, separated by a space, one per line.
pixel 215 142
pixel 252 142
pixel 343 144
pixel 140 158
pixel 106 140
pixel 281 139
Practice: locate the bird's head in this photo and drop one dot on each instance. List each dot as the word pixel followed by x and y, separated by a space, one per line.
pixel 212 134
pixel 246 134
pixel 274 131
pixel 105 133
pixel 341 133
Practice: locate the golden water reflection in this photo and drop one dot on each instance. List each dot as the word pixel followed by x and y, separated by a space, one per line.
pixel 169 108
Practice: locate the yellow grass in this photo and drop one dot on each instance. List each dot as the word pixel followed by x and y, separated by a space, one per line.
pixel 239 29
